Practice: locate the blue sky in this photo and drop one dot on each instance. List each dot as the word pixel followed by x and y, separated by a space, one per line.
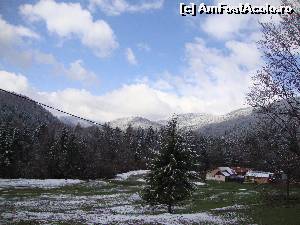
pixel 105 59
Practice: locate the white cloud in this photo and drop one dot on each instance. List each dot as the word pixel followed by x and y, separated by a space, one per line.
pixel 12 39
pixel 221 79
pixel 71 20
pixel 13 82
pixel 11 33
pixel 76 71
pixel 214 80
pixel 129 100
pixel 13 49
pixel 162 84
pixel 117 7
pixel 226 26
pixel 135 99
pixel 130 56
pixel 229 26
pixel 244 54
pixel 43 58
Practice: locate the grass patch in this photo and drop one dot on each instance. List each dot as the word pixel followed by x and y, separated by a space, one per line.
pixel 254 204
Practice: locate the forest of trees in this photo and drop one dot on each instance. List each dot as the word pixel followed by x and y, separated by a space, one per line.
pixel 35 144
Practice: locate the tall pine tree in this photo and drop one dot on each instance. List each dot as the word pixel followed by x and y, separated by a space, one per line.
pixel 170 179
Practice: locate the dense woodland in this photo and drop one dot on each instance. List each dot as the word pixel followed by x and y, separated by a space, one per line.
pixel 35 144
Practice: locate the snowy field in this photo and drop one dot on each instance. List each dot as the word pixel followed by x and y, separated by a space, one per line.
pixel 114 201
pixel 36 183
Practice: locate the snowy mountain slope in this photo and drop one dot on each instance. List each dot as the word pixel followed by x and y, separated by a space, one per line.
pixel 204 123
pixel 195 121
pixel 207 124
pixel 23 113
pixel 236 121
pixel 135 122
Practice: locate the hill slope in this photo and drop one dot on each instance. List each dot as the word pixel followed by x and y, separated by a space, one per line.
pixel 135 122
pixel 18 111
pixel 207 124
pixel 23 113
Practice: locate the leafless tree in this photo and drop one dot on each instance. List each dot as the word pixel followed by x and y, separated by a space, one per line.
pixel 276 86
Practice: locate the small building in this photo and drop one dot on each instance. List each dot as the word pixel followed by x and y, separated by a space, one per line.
pixel 220 174
pixel 240 171
pixel 258 177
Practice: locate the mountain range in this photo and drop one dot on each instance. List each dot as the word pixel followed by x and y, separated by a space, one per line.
pixel 208 124
pixel 27 113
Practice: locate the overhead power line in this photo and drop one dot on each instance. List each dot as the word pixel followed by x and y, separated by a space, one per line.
pixel 50 107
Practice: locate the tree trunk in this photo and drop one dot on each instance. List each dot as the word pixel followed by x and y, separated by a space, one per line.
pixel 170 208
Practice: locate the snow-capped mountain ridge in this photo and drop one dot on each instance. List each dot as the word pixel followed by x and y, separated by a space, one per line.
pixel 135 122
pixel 202 122
pixel 193 121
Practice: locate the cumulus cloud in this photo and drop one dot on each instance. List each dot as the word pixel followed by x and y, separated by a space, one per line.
pixel 117 7
pixel 12 33
pixel 13 82
pixel 130 56
pixel 221 78
pixel 69 20
pixel 14 49
pixel 12 39
pixel 230 26
pixel 128 100
pixel 76 71
pixel 215 80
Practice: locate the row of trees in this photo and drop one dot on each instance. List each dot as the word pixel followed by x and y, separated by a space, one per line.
pixel 72 152
pixel 58 151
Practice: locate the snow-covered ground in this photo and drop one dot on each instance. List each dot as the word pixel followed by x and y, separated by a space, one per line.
pixel 95 218
pixel 99 209
pixel 96 202
pixel 35 183
pixel 230 208
pixel 125 176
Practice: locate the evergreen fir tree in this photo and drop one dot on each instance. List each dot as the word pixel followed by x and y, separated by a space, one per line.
pixel 169 180
pixel 73 157
pixel 58 154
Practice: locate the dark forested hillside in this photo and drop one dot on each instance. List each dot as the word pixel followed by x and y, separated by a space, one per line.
pixel 22 113
pixel 35 144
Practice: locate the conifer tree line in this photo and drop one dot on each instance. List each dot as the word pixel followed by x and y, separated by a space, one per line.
pixel 35 144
